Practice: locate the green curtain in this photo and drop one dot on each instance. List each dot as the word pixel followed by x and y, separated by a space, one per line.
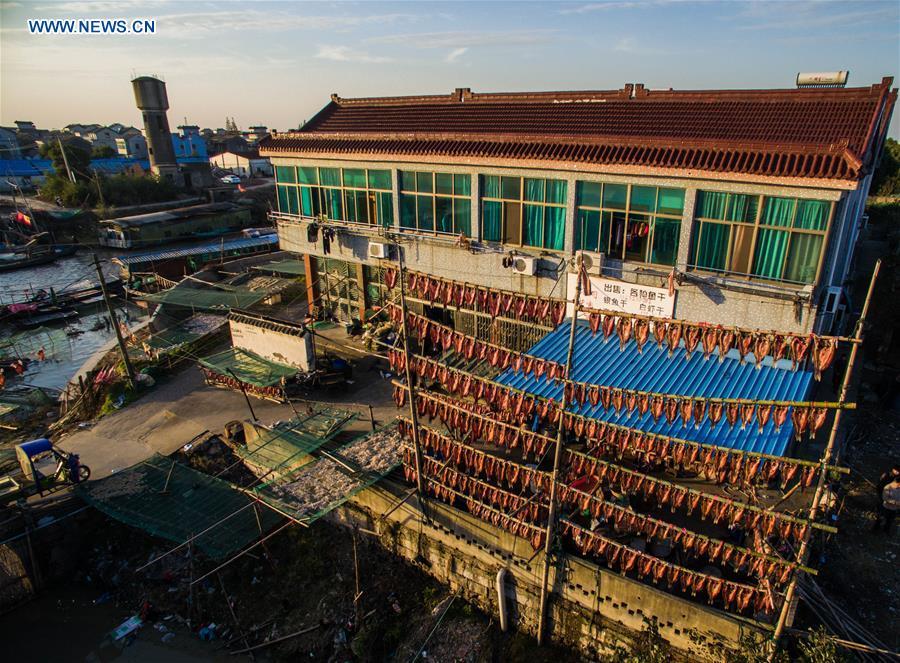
pixel 803 258
pixel 355 177
pixel 491 186
pixel 615 196
pixel 589 193
pixel 306 204
pixel 407 181
pixel 425 212
pixel 643 199
pixel 444 214
pixel 407 211
pixel 462 216
pixel 671 201
pixel 812 214
pixel 711 204
pixel 712 249
pixel 283 199
pixel 385 210
pixel 293 203
pixel 462 185
pixel 380 179
pixel 742 207
pixel 665 241
pixel 329 176
pixel 556 192
pixel 587 231
pixel 555 228
pixel 778 212
pixel 534 190
pixel 307 175
pixel 533 233
pixel 334 204
pixel 424 182
pixel 285 174
pixel 768 260
pixel 491 221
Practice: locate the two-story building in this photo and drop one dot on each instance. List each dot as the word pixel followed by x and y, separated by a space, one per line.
pixel 753 199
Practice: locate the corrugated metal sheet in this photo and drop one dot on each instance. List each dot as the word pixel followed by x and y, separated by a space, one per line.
pixel 228 245
pixel 599 361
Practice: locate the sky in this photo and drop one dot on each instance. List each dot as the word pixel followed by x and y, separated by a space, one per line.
pixel 277 63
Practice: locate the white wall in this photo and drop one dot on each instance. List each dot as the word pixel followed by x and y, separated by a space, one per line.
pixel 272 345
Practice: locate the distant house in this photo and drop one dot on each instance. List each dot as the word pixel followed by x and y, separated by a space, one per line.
pixel 9 146
pixel 243 164
pixel 189 143
pixel 256 134
pixel 132 145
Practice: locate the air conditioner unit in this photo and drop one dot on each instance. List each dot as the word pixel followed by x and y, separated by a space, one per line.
pixel 525 265
pixel 593 262
pixel 832 299
pixel 379 250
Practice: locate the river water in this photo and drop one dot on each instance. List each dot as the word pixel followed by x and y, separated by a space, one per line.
pixel 65 349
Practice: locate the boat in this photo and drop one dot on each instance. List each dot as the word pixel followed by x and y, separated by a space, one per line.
pixel 53 317
pixel 33 256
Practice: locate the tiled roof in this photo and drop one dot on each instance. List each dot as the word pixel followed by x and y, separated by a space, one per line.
pixel 600 361
pixel 820 133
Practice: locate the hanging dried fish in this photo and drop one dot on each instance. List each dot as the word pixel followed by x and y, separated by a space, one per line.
pixel 824 351
pixel 659 332
pixel 710 340
pixel 623 327
pixel 691 339
pixel 761 348
pixel 726 342
pixel 641 333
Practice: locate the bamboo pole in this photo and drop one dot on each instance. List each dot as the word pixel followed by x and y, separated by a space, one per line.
pixel 789 599
pixel 638 392
pixel 557 458
pixel 409 380
pixel 655 436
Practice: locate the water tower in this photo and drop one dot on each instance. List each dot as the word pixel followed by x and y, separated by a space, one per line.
pixel 153 102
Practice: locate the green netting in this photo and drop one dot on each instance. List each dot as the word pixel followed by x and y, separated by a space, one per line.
pixel 207 299
pixel 181 334
pixel 190 503
pixel 247 367
pixel 355 482
pixel 286 447
pixel 289 266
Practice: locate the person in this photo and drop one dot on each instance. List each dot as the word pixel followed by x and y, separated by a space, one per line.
pixel 41 354
pixel 888 499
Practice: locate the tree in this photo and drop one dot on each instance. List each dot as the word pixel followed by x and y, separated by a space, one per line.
pixel 103 152
pixel 78 157
pixel 886 181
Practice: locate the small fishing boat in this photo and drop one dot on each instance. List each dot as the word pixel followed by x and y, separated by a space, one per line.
pixel 33 256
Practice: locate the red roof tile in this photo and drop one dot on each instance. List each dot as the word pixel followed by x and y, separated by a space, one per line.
pixel 820 133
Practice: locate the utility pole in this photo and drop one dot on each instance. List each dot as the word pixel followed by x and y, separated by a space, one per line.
pixel 65 159
pixel 115 323
pixel 557 459
pixel 788 607
pixel 244 391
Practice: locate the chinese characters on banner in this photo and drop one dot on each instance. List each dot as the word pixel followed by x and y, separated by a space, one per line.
pixel 611 295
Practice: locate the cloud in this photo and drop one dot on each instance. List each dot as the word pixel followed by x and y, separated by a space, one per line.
pixel 9 5
pixel 456 40
pixel 102 6
pixel 347 54
pixel 813 14
pixel 454 55
pixel 620 4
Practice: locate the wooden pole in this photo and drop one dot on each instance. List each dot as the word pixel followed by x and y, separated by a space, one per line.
pixel 557 458
pixel 115 323
pixel 234 618
pixel 788 606
pixel 372 417
pixel 420 486
pixel 244 391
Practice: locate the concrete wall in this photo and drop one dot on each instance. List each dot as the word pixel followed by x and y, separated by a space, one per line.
pixel 591 608
pixel 702 296
pixel 288 349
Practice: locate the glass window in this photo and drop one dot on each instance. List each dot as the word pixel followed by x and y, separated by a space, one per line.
pixel 423 182
pixel 355 178
pixel 637 223
pixel 307 175
pixel 524 211
pixel 615 196
pixel 329 176
pixel 380 179
pixel 429 202
pixel 770 237
pixel 285 174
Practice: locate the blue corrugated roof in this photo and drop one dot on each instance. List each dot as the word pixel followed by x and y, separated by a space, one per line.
pixel 108 165
pixel 599 361
pixel 227 245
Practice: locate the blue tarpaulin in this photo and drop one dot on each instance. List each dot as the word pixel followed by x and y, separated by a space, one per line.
pixel 600 361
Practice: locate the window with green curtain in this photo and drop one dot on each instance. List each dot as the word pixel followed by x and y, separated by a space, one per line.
pixel 285 175
pixel 711 251
pixel 283 199
pixel 380 180
pixel 711 204
pixel 355 178
pixel 435 202
pixel 771 246
pixel 293 204
pixel 587 230
pixel 307 175
pixel 534 190
pixel 386 209
pixel 615 196
pixel 643 198
pixel 556 191
pixel 742 207
pixel 511 188
pixel 671 201
pixel 330 177
pixel 812 214
pixel 491 186
pixel 803 257
pixel 589 194
pixel 554 228
pixel 307 207
pixel 491 221
pixel 778 212
pixel 533 231
pixel 666 233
